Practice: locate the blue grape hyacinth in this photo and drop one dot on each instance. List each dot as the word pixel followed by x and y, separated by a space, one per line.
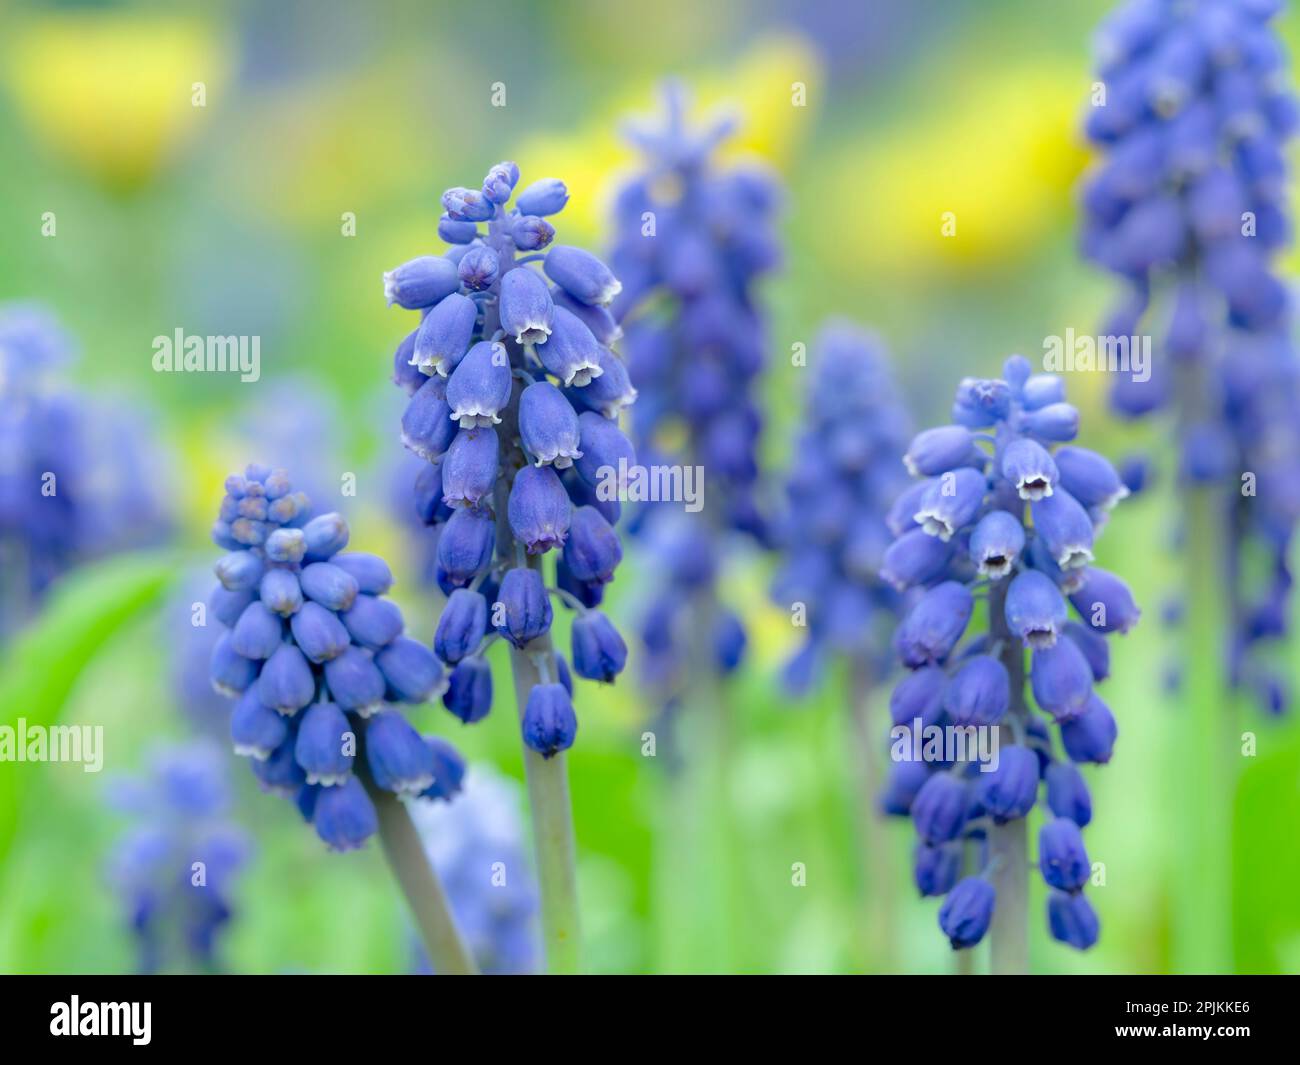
pixel 1004 513
pixel 515 395
pixel 477 846
pixel 175 868
pixel 694 237
pixel 80 477
pixel 837 576
pixel 1188 206
pixel 317 661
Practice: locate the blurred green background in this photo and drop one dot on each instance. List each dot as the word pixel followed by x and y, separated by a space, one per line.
pixel 226 219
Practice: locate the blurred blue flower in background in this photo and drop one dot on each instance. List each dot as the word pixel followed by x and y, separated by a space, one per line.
pixel 1188 206
pixel 477 846
pixel 174 870
pixel 846 471
pixel 693 238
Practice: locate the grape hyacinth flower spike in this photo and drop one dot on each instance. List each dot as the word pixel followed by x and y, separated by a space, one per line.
pixel 1188 207
pixel 971 747
pixel 174 868
pixel 839 575
pixel 694 238
pixel 319 668
pixel 515 394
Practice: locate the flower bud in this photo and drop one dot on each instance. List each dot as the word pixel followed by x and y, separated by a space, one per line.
pixel 1090 736
pixel 935 869
pixel 469 690
pixel 1008 792
pixel 319 632
pixel 920 694
pixel 1035 610
pixel 397 755
pixel 231 672
pixel 469 469
pixel 1089 477
pixel 355 682
pixel 1067 794
pixel 371 572
pixel 500 182
pixel 593 551
pixel 373 622
pixel 410 670
pixel 526 308
pixel 448 770
pixel 478 268
pixel 1065 529
pixel 256 730
pixel 979 692
pixel 549 724
pixel 324 737
pixel 326 536
pixel 938 450
pixel 581 274
pixel 531 233
pixel 951 502
pixel 1105 602
pixel 571 353
pixel 548 425
pixel 1072 920
pixel 1062 859
pixel 343 816
pixel 538 509
pixel 286 683
pixel 444 336
pixel 525 605
pixel 931 630
pixel 257 633
pixel 916 558
pixel 1028 466
pixel 467 205
pixel 545 197
pixel 329 585
pixel 479 388
pixel 239 571
pixel 599 652
pixel 1061 679
pixel 967 912
pixel 939 809
pixel 466 544
pixel 420 283
pixel 462 626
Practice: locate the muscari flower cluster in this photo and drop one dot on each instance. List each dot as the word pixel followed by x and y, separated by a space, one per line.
pixel 514 404
pixel 693 238
pixel 997 510
pixel 1188 206
pixel 315 657
pixel 845 476
pixel 78 479
pixel 174 869
pixel 476 845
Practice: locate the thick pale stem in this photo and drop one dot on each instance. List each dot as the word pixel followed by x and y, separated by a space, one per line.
pixel 1009 843
pixel 410 864
pixel 553 837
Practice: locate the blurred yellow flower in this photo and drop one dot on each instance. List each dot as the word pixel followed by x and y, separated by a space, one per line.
pixel 760 90
pixel 987 174
pixel 114 91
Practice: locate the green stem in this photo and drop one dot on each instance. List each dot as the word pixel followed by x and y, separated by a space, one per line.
pixel 1009 843
pixel 1206 763
pixel 694 916
pixel 553 836
pixel 410 864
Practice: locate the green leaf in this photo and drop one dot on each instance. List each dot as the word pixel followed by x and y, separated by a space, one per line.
pixel 41 666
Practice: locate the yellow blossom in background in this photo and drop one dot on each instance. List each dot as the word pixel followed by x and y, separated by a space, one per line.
pixel 760 90
pixel 991 167
pixel 113 91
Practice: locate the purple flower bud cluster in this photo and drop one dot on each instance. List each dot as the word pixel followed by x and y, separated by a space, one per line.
pixel 174 869
pixel 693 239
pixel 314 656
pixel 1188 206
pixel 836 577
pixel 1006 510
pixel 78 477
pixel 514 402
pixel 476 845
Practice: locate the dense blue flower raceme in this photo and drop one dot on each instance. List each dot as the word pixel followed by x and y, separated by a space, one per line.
pixel 693 239
pixel 175 868
pixel 515 396
pixel 477 847
pixel 839 565
pixel 314 657
pixel 993 514
pixel 1188 206
pixel 79 476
